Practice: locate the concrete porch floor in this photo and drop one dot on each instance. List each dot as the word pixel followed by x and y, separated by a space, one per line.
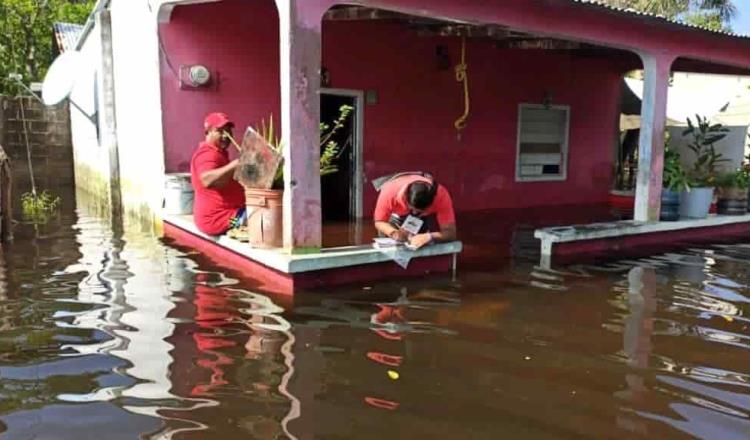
pixel 283 272
pixel 563 243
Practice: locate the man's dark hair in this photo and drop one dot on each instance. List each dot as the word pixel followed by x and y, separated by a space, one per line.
pixel 420 195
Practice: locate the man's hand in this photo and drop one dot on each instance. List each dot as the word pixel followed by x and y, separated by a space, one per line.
pixel 420 240
pixel 399 235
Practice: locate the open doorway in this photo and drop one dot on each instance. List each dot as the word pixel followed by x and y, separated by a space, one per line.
pixel 341 192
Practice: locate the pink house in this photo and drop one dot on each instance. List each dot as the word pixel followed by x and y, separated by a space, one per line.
pixel 541 101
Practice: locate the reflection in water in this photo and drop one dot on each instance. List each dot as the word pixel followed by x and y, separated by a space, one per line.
pixel 637 344
pixel 113 334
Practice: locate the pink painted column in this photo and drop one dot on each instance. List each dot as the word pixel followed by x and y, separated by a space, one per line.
pixel 656 70
pixel 300 51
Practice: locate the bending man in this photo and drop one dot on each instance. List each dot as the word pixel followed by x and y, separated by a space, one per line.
pixel 415 199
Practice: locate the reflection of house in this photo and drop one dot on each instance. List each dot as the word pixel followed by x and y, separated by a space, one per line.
pixel 543 90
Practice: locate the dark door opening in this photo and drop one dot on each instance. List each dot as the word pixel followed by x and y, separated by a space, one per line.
pixel 338 195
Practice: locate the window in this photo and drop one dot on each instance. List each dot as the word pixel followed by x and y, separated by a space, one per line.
pixel 542 151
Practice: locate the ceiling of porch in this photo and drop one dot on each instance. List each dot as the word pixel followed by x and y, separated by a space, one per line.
pixel 508 38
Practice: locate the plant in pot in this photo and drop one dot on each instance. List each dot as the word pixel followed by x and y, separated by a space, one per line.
pixel 674 181
pixel 264 205
pixel 731 190
pixel 704 135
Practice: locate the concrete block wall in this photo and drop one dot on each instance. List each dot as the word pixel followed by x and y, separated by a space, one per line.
pixel 48 132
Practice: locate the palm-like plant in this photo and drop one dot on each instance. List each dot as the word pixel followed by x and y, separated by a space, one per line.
pixel 714 14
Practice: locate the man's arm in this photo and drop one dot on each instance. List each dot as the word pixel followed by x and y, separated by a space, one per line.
pixel 218 177
pixel 447 233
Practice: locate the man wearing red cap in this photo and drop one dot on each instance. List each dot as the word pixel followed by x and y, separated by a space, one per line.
pixel 219 199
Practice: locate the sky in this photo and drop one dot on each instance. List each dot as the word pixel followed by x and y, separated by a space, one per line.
pixel 741 23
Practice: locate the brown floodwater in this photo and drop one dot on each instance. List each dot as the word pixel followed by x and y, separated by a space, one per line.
pixel 112 334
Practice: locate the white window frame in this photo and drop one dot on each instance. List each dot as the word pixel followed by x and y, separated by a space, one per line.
pixel 564 150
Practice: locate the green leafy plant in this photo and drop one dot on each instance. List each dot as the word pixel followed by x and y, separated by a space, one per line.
pixel 39 207
pixel 739 178
pixel 674 177
pixel 704 136
pixel 331 150
pixel 25 44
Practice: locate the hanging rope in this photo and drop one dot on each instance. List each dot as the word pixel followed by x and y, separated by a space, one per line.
pixel 28 147
pixel 462 77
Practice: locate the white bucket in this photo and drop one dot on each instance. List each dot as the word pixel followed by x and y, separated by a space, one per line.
pixel 178 194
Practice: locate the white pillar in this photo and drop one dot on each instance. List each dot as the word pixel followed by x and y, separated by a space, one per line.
pixel 651 145
pixel 300 51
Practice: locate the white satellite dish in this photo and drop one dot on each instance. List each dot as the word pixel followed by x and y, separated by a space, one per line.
pixel 61 77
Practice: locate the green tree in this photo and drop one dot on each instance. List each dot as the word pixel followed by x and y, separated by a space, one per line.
pixel 26 35
pixel 713 14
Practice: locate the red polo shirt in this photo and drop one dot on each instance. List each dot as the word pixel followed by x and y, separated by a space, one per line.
pixel 213 207
pixel 392 200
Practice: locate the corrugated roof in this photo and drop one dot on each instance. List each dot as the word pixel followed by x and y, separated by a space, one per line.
pixel 66 35
pixel 602 5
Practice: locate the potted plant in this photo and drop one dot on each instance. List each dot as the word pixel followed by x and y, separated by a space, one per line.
pixel 674 181
pixel 731 190
pixel 697 202
pixel 264 206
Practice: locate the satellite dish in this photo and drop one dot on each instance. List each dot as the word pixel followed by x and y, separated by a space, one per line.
pixel 61 77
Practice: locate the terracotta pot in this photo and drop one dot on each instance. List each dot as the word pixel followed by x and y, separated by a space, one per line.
pixel 732 201
pixel 264 217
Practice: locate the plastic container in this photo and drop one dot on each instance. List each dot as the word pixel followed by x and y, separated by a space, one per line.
pixel 178 194
pixel 670 205
pixel 696 203
pixel 732 201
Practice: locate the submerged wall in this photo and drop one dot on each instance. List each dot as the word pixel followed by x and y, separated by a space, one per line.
pixel 411 125
pixel 48 132
pixel 137 100
pixel 91 158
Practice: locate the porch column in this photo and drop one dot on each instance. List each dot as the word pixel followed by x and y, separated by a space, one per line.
pixel 300 38
pixel 651 145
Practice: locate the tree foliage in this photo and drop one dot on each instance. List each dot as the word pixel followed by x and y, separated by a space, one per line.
pixel 26 35
pixel 713 14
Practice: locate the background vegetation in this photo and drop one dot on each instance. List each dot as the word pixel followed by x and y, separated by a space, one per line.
pixel 26 37
pixel 713 14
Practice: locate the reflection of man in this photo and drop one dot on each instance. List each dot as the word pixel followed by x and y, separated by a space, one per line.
pixel 415 196
pixel 219 199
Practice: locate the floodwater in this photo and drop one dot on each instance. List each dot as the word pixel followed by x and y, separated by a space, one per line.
pixel 105 334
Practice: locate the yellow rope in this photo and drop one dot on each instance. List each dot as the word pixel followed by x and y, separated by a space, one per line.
pixel 461 76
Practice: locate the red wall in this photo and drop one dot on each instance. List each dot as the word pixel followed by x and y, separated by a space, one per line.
pixel 411 126
pixel 237 39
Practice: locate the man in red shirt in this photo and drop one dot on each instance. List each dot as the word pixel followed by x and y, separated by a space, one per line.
pixel 219 199
pixel 418 196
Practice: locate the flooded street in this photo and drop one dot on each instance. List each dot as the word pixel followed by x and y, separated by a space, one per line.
pixel 105 334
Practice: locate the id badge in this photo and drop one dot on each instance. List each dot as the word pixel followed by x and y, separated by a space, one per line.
pixel 412 224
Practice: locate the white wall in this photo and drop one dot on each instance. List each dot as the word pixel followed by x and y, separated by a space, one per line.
pixel 736 116
pixel 732 147
pixel 138 105
pixel 91 159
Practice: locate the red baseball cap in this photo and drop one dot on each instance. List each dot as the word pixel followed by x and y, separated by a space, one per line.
pixel 217 120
